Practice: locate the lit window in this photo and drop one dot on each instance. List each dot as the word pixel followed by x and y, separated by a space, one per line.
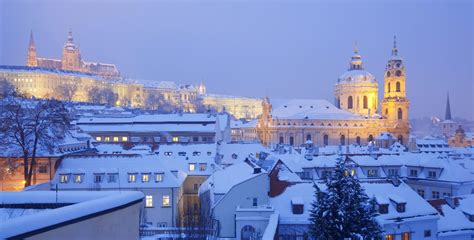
pixel 43 169
pixel 107 139
pixel 64 178
pixel 406 236
pixel 202 166
pixel 175 139
pixel 145 177
pixel 192 167
pixel 158 177
pixel 112 177
pixel 124 139
pixel 98 139
pixel 390 237
pixel 166 201
pixel 149 201
pixel 116 139
pixel 78 178
pixel 132 177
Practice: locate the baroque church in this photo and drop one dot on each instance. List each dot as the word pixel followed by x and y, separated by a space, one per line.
pixel 71 60
pixel 354 119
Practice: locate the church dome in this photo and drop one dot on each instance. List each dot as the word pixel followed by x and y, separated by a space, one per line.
pixel 356 76
pixel 356 73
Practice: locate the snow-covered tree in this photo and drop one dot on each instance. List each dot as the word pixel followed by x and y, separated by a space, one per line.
pixel 28 127
pixel 343 210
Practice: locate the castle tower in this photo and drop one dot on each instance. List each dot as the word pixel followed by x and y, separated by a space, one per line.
pixel 356 90
pixel 71 58
pixel 395 103
pixel 32 61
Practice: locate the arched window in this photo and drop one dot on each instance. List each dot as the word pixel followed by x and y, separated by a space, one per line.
pixel 349 102
pixel 358 140
pixel 343 140
pixel 292 140
pixel 370 138
pixel 308 137
pixel 400 139
pixel 281 140
pixel 388 87
pixel 365 103
pixel 386 111
pixel 325 140
pixel 400 114
pixel 247 232
pixel 398 87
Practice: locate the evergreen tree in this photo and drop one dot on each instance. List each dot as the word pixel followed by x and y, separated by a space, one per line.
pixel 343 210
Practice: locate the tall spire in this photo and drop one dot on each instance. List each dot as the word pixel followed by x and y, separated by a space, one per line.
pixel 356 48
pixel 32 40
pixel 394 49
pixel 448 109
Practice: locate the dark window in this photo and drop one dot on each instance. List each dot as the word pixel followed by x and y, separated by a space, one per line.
pixel 297 208
pixel 292 141
pixel 427 233
pixel 389 86
pixel 358 140
pixel 254 202
pixel 371 138
pixel 400 139
pixel 343 140
pixel 308 137
pixel 325 140
pixel 383 208
pixel 435 195
pixel 397 86
pixel 400 207
pixel 398 73
pixel 281 140
pixel 400 114
pixel 43 169
pixel 365 102
pixel 349 102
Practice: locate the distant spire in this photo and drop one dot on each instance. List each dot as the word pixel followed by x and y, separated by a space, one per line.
pixel 356 48
pixel 394 49
pixel 448 110
pixel 32 40
pixel 69 36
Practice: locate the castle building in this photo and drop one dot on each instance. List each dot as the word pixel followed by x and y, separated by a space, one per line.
pixel 71 60
pixel 353 120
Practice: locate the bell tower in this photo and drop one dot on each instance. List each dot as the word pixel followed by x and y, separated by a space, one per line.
pixel 71 59
pixel 32 61
pixel 395 103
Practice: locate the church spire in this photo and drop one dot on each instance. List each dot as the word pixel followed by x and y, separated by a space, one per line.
pixel 394 49
pixel 447 115
pixel 69 37
pixel 32 40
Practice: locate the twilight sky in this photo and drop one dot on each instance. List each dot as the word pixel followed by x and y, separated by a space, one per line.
pixel 283 49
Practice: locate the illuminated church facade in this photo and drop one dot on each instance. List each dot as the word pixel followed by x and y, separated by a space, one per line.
pixel 355 118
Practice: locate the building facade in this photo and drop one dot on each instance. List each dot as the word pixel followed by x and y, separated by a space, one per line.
pixel 354 119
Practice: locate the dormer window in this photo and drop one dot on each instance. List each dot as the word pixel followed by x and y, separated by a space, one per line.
pixel 145 177
pixel 168 153
pixel 78 178
pixel 393 172
pixel 372 173
pixel 401 207
pixel 64 178
pixel 297 205
pixel 98 177
pixel 432 174
pixel 158 177
pixel 413 173
pixel 383 208
pixel 132 177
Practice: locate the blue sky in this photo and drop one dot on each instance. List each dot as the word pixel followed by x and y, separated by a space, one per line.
pixel 283 49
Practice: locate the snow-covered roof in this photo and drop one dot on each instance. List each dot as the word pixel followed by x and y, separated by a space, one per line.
pixel 416 207
pixel 231 153
pixel 356 76
pixel 303 193
pixel 121 164
pixel 43 70
pixel 308 109
pixel 84 203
